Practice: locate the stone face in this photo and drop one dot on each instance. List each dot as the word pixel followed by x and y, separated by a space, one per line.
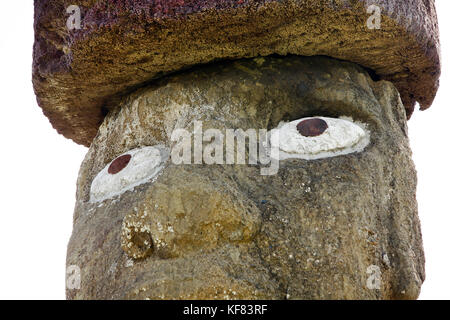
pixel 78 75
pixel 343 227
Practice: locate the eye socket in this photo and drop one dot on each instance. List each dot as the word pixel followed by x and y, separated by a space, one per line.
pixel 127 171
pixel 317 138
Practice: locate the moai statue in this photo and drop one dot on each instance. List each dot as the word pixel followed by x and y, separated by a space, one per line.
pixel 240 149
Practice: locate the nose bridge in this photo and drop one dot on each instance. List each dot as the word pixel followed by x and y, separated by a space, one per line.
pixel 186 212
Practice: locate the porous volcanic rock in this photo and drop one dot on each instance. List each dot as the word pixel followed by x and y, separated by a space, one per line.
pixel 320 229
pixel 122 44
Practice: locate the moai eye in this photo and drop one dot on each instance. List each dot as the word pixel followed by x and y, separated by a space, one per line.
pixel 127 171
pixel 317 138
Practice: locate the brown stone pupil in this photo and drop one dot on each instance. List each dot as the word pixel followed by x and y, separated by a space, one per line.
pixel 312 127
pixel 118 164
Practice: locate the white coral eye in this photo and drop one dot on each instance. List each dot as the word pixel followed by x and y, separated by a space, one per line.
pixel 317 138
pixel 127 171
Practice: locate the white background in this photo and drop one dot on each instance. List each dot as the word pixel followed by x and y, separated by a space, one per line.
pixel 38 171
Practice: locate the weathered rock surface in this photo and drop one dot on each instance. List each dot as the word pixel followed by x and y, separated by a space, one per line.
pixel 122 44
pixel 316 230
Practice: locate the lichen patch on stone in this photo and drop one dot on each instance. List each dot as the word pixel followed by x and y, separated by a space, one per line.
pixel 136 238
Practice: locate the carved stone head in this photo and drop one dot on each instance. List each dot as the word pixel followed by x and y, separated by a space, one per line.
pixel 240 149
pixel 337 218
